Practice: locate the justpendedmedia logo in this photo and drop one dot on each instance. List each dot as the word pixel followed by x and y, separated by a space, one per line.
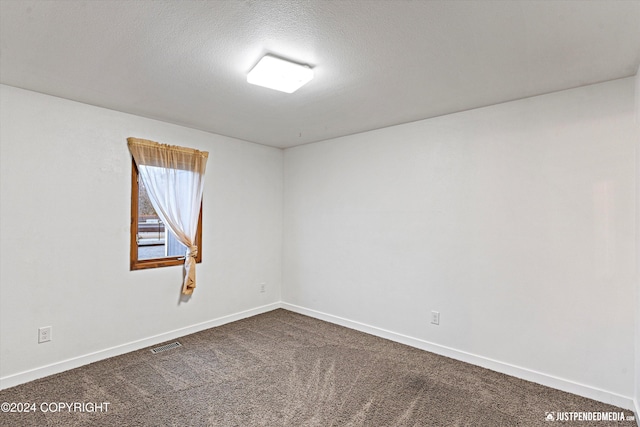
pixel 587 416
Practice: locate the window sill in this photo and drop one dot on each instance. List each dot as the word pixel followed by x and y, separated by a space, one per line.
pixel 158 262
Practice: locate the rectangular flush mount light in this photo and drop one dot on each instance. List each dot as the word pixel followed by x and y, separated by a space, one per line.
pixel 278 74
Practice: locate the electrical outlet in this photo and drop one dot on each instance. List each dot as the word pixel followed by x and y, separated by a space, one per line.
pixel 263 287
pixel 44 334
pixel 435 317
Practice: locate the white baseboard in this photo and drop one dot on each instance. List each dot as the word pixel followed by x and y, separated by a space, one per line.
pixel 494 365
pixel 637 403
pixel 505 368
pixel 65 365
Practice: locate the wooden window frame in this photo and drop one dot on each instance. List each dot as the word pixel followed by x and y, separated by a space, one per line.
pixel 140 264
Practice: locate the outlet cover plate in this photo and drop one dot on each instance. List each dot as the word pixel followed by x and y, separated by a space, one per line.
pixel 44 334
pixel 435 317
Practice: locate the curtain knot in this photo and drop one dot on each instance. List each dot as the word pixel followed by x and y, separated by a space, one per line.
pixel 192 251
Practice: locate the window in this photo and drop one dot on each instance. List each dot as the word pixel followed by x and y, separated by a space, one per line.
pixel 152 244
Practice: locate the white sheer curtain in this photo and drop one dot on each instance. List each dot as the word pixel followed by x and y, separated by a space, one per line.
pixel 174 178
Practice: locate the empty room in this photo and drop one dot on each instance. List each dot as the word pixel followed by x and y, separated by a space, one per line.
pixel 319 213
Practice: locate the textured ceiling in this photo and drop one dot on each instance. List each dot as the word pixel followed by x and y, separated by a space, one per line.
pixel 376 63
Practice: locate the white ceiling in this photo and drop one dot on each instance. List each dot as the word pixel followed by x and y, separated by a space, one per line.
pixel 376 63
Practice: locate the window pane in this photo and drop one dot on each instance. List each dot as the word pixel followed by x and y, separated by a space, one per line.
pixel 151 231
pixel 174 247
pixel 154 240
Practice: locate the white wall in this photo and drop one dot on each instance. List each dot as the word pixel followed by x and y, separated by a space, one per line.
pixel 65 209
pixel 514 221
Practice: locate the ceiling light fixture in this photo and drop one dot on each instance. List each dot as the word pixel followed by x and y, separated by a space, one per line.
pixel 278 74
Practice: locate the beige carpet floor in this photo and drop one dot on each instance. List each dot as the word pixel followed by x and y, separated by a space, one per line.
pixel 285 369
